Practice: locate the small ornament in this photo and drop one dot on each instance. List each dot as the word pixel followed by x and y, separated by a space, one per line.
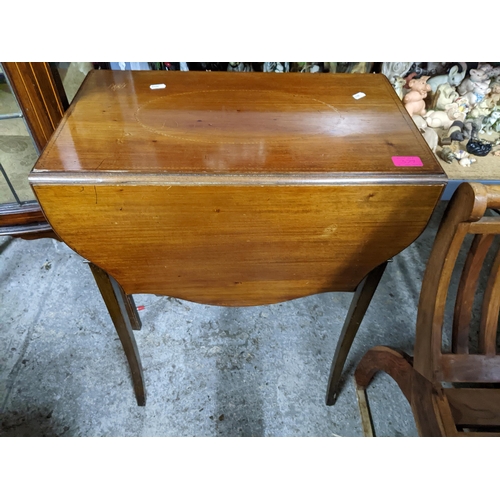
pixel 447 155
pixel 478 147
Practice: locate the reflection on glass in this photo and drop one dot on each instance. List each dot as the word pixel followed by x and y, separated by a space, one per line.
pixel 8 102
pixel 17 151
pixel 72 75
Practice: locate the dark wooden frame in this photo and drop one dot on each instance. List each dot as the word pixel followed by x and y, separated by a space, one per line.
pixel 43 102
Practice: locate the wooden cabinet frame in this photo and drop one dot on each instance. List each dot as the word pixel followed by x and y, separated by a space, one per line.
pixel 43 102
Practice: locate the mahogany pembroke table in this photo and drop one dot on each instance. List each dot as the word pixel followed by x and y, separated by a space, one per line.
pixel 236 189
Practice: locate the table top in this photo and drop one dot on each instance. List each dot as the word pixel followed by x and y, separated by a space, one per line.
pixel 218 123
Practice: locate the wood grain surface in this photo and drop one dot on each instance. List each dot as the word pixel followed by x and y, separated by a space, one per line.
pixel 238 245
pixel 236 123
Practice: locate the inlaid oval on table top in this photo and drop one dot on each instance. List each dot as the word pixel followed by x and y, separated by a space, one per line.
pixel 245 124
pixel 238 116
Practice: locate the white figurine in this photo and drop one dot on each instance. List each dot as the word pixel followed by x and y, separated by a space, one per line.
pixel 430 135
pixel 479 92
pixel 445 94
pixel 392 69
pixel 445 118
pixel 398 83
pixel 454 77
pixel 467 162
pixel 469 84
pixel 464 158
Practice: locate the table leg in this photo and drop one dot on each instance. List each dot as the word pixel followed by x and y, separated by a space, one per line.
pixel 360 302
pixel 116 301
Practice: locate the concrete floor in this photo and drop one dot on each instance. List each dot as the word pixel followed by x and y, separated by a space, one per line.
pixel 209 371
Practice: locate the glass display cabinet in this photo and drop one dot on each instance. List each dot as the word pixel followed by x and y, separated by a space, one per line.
pixel 33 99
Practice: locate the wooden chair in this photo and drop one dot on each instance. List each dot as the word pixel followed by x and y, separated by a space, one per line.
pixel 453 393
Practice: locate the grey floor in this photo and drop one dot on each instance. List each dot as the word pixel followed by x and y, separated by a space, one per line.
pixel 209 371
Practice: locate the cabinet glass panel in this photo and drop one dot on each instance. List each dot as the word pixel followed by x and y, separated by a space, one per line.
pixel 72 75
pixel 17 149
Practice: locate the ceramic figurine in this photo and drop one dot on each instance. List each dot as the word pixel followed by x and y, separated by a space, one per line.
pixel 478 94
pixel 469 84
pixel 462 104
pixel 240 67
pixel 276 67
pixel 486 67
pixel 392 69
pixel 463 158
pixel 467 162
pixel 453 78
pixel 444 119
pixel 431 138
pixel 478 148
pixel 482 108
pixel 455 133
pixel 429 134
pixel 398 83
pixel 315 68
pixel 493 97
pixel 436 68
pixel 447 155
pixel 489 70
pixel 472 127
pixel 414 99
pixel 306 67
pixel 489 121
pixel 417 69
pixel 445 94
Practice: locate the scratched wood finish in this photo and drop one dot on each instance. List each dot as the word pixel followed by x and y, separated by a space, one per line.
pixel 239 245
pixel 223 123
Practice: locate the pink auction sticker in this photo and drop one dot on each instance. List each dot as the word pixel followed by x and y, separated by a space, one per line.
pixel 407 161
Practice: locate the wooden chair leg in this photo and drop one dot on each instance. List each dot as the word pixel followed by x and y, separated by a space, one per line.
pixel 396 363
pixel 133 313
pixel 116 301
pixel 360 302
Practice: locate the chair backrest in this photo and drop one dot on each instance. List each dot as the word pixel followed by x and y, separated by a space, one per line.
pixel 464 215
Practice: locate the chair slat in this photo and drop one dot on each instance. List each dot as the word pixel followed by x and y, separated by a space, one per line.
pixel 467 291
pixel 474 407
pixel 486 225
pixel 469 368
pixel 489 313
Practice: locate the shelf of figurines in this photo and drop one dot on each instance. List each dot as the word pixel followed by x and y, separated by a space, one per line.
pixel 458 114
